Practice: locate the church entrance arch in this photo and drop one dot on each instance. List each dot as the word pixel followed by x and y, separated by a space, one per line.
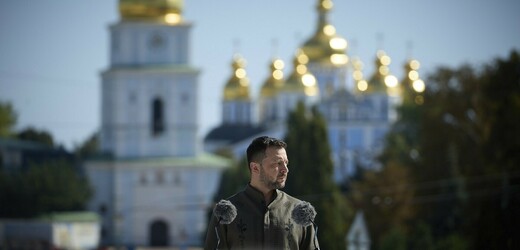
pixel 158 233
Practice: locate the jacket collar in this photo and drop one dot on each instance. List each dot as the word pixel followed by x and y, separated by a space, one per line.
pixel 257 196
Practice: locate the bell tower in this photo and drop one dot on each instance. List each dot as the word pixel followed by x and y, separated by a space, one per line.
pixel 149 92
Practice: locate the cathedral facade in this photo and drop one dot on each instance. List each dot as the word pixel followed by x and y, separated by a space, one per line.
pixel 154 183
pixel 359 111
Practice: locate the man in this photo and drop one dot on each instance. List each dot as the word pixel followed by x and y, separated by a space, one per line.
pixel 263 218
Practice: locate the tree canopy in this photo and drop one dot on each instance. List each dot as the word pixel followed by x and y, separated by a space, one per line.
pixel 46 179
pixel 50 187
pixel 310 175
pixel 7 120
pixel 459 153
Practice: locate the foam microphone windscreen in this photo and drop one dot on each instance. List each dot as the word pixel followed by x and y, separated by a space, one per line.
pixel 225 211
pixel 303 213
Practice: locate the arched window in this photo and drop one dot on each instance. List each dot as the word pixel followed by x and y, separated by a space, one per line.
pixel 157 116
pixel 159 234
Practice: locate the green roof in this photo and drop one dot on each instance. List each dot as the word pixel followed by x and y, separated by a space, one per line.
pixel 201 160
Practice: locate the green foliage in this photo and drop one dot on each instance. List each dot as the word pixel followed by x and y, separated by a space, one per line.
pixel 469 147
pixel 461 148
pixel 452 242
pixel 89 147
pixel 310 175
pixel 50 187
pixel 385 196
pixel 497 112
pixel 32 134
pixel 420 237
pixel 495 199
pixel 7 120
pixel 233 180
pixel 395 239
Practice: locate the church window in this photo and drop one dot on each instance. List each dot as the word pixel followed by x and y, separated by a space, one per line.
pixel 102 209
pixel 157 117
pixel 342 113
pixel 142 178
pixel 104 232
pixel 157 41
pixel 159 177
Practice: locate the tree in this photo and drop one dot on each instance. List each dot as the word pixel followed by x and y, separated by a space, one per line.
pixel 32 134
pixel 496 200
pixel 470 142
pixel 394 239
pixel 386 198
pixel 462 150
pixel 420 237
pixel 233 180
pixel 47 180
pixel 7 120
pixel 53 186
pixel 386 195
pixel 89 147
pixel 310 175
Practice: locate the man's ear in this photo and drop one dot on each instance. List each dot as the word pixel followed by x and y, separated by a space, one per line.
pixel 254 167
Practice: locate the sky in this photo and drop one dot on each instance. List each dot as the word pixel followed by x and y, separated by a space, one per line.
pixel 53 51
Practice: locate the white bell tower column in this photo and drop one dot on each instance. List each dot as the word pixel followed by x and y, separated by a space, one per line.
pixel 149 93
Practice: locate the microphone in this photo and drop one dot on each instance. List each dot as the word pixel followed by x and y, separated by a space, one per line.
pixel 225 212
pixel 303 214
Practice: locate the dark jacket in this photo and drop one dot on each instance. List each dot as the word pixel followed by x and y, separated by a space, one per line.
pixel 259 226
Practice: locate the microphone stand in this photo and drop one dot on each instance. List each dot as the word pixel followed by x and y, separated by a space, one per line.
pixel 315 235
pixel 216 233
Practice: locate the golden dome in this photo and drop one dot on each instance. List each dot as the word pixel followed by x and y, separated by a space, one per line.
pixel 168 11
pixel 381 79
pixel 275 81
pixel 357 74
pixel 411 84
pixel 325 46
pixel 237 87
pixel 301 80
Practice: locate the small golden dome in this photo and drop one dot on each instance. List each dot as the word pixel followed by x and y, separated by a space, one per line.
pixel 237 87
pixel 357 74
pixel 275 81
pixel 411 84
pixel 325 46
pixel 168 11
pixel 381 79
pixel 301 80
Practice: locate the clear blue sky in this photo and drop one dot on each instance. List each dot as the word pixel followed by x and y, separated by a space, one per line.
pixel 51 52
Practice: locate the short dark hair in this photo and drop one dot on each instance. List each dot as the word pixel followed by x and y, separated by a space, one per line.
pixel 256 150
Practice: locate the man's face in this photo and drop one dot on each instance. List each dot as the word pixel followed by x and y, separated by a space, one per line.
pixel 274 168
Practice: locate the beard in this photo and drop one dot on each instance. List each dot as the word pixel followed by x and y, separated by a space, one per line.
pixel 271 184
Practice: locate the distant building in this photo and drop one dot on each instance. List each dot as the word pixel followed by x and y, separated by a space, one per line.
pixel 17 155
pixel 66 230
pixel 358 237
pixel 358 111
pixel 155 184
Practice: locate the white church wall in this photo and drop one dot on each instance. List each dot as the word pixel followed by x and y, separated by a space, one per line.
pixel 180 196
